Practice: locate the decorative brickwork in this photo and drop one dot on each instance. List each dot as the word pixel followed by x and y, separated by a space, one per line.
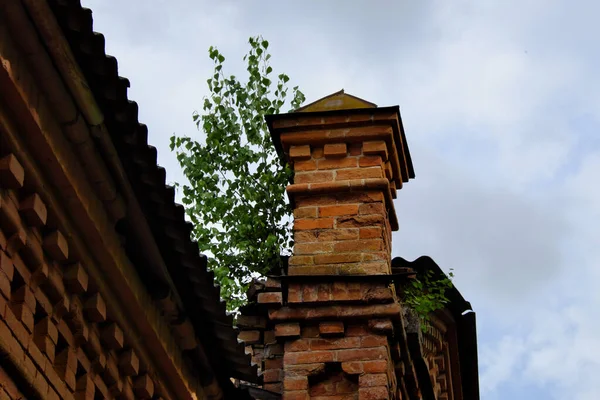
pixel 53 322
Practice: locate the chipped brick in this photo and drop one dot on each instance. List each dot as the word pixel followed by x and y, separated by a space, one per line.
pixel 12 174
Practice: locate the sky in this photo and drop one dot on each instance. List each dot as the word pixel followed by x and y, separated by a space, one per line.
pixel 500 101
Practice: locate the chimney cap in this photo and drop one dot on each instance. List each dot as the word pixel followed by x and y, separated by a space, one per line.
pixel 364 113
pixel 336 101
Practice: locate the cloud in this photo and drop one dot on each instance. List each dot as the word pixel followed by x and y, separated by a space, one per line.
pixel 499 364
pixel 502 246
pixel 501 109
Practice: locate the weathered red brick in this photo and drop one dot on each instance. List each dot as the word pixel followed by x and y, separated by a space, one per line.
pixel 12 174
pixel 337 163
pixel 313 177
pixel 95 308
pixel 310 292
pixel 249 337
pixel 297 345
pixel 308 357
pixel 372 208
pixel 46 345
pixel 76 278
pixel 329 235
pixel 23 313
pixel 305 212
pixel 356 330
pixel 324 292
pixel 337 258
pixel 270 298
pixel 388 170
pixel 335 344
pixel 288 329
pixel 112 336
pixel 329 312
pixel 129 363
pixel 67 358
pixel 4 286
pixel 6 265
pixel 375 366
pixel 251 321
pixel 359 221
pixel 373 341
pixel 358 245
pixel 35 352
pixel 375 353
pixel 34 210
pixel 337 210
pixel 381 325
pixel 375 148
pixel 369 380
pixel 85 388
pixel 292 370
pixel 374 393
pixel 16 242
pixel 273 387
pixel 370 233
pixel 45 327
pixel 313 247
pixel 335 150
pixel 272 375
pixel 273 285
pixel 376 256
pixel 353 367
pixel 55 244
pixel 306 165
pixel 2 239
pixel 299 152
pixel 358 173
pixel 274 363
pixel 301 260
pixel 295 383
pixel 294 291
pixel 308 201
pixel 143 387
pixel 370 161
pixel 319 223
pixel 296 395
pixel 331 328
pixel 52 395
pixel 25 295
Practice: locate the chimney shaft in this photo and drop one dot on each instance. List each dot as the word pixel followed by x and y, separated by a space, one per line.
pixel 348 164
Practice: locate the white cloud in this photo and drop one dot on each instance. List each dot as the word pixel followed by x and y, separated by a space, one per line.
pixel 490 93
pixel 499 364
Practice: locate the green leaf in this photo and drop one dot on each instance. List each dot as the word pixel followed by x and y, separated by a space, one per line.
pixel 236 192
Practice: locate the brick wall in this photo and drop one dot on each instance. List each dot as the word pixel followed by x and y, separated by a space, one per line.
pixel 337 232
pixel 345 349
pixel 54 327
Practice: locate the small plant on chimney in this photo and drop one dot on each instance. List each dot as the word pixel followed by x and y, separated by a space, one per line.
pixel 235 194
pixel 427 293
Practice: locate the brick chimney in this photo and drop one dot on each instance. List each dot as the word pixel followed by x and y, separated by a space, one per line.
pixel 328 327
pixel 349 158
